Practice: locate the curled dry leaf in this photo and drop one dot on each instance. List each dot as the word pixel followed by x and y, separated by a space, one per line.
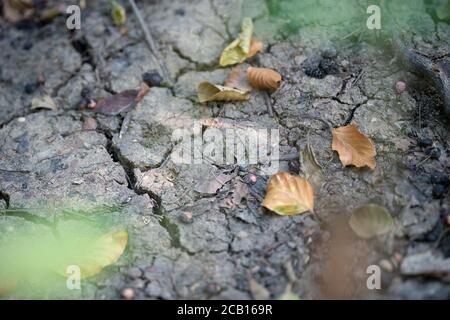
pixel 310 168
pixel 371 220
pixel 237 51
pixel 289 195
pixel 43 102
pixel 103 252
pixel 255 47
pixel 353 147
pixel 121 102
pixel 263 78
pixel 118 13
pixel 209 92
pixel 237 79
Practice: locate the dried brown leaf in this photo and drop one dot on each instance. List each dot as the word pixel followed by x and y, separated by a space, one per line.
pixel 255 47
pixel 210 92
pixel 289 195
pixel 17 10
pixel 237 79
pixel 263 78
pixel 121 102
pixel 353 147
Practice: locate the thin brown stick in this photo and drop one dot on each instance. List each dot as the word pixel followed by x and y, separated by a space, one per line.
pixel 149 39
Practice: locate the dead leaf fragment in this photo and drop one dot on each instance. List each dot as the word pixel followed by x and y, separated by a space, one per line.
pixel 121 102
pixel 289 195
pixel 255 47
pixel 258 291
pixel 353 147
pixel 237 79
pixel 263 78
pixel 43 102
pixel 17 10
pixel 371 220
pixel 212 184
pixel 237 51
pixel 210 92
pixel 105 251
pixel 310 168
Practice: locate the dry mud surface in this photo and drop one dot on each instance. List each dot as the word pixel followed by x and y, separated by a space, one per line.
pixel 188 240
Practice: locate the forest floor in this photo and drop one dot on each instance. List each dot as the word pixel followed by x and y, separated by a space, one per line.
pixel 188 241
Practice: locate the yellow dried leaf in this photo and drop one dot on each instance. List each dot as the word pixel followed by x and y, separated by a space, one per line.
pixel 237 51
pixel 353 147
pixel 263 78
pixel 371 220
pixel 237 79
pixel 103 252
pixel 118 13
pixel 289 195
pixel 255 47
pixel 43 102
pixel 210 92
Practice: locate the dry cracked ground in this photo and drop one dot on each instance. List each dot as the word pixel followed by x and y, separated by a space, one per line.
pixel 188 239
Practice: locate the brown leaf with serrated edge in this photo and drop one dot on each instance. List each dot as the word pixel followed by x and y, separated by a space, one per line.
pixel 255 47
pixel 263 78
pixel 289 195
pixel 353 147
pixel 210 92
pixel 237 79
pixel 121 102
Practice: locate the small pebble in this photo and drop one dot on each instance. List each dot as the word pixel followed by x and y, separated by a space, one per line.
pixel 31 87
pixel 386 265
pixel 135 272
pixel 21 119
pixel 90 124
pixel 400 86
pixel 77 181
pixel 128 294
pixel 86 92
pixel 152 78
pixel 186 217
pixel 329 53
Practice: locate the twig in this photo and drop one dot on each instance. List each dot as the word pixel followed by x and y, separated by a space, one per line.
pixel 268 103
pixel 148 37
pixel 15 171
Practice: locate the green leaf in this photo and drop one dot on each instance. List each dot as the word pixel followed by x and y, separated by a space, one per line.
pixel 237 51
pixel 92 257
pixel 118 13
